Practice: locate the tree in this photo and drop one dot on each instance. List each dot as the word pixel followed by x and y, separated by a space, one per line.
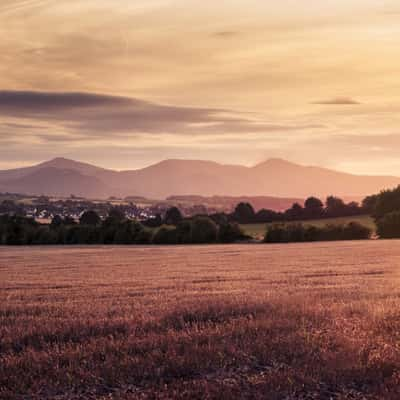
pixel 90 218
pixel 165 235
pixel 83 234
pixel 335 207
pixel 295 213
pixel 388 227
pixel 116 215
pixel 10 207
pixel 276 234
pixel 387 202
pixel 204 230
pixel 173 216
pixel 56 222
pixel 220 218
pixel 230 233
pixel 131 232
pixel 265 216
pixel 353 208
pixel 184 232
pixel 301 233
pixel 153 222
pixel 69 221
pixel 369 204
pixel 313 208
pixel 244 213
pixel 356 231
pixel 124 234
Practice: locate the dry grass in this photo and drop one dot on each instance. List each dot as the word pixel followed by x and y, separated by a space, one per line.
pixel 308 321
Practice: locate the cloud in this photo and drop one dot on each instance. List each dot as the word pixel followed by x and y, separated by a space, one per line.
pixel 99 115
pixel 225 34
pixel 11 6
pixel 31 102
pixel 338 101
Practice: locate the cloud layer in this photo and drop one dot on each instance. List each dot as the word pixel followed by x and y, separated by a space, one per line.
pixel 99 114
pixel 126 83
pixel 338 101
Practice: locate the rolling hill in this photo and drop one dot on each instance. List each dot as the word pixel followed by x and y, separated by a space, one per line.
pixel 274 177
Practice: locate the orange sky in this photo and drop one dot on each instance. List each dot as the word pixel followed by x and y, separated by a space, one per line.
pixel 127 83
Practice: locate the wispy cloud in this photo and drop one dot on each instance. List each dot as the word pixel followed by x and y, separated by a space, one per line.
pixel 100 115
pixel 12 6
pixel 225 34
pixel 338 101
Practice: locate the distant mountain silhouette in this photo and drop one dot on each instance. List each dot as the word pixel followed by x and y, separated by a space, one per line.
pixel 274 177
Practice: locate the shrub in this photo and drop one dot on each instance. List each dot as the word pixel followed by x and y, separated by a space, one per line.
pixel 173 216
pixel 388 227
pixel 90 218
pixel 165 235
pixel 154 222
pixel 124 233
pixel 230 233
pixel 220 218
pixel 204 230
pixel 277 233
pixel 244 213
pixel 184 232
pixel 313 208
pixel 115 216
pixel 387 202
pixel 45 236
pixel 83 234
pixel 356 231
pixel 17 230
pixel 300 233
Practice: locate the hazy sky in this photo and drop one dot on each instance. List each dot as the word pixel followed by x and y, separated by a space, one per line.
pixel 125 83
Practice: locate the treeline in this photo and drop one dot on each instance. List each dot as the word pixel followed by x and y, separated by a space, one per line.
pixel 385 208
pixel 174 228
pixel 293 232
pixel 313 208
pixel 115 229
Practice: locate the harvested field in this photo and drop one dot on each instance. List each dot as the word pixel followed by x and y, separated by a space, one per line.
pixel 301 321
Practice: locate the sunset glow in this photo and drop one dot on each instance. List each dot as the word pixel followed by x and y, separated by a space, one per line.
pixel 236 81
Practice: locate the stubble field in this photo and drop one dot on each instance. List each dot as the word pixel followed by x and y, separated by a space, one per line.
pixel 306 321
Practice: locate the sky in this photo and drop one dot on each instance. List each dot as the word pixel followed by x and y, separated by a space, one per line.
pixel 127 83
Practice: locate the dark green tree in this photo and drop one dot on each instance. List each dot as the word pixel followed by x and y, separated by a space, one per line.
pixel 335 207
pixel 173 216
pixel 244 213
pixel 388 227
pixel 165 235
pixel 90 218
pixel 369 204
pixel 313 208
pixel 387 202
pixel 230 233
pixel 116 215
pixel 295 213
pixel 56 222
pixel 204 230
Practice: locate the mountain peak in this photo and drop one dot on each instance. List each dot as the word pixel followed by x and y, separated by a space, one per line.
pixel 277 163
pixel 66 163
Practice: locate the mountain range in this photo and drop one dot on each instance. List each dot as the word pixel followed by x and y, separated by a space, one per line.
pixel 274 177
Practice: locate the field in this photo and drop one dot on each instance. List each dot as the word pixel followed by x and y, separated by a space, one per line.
pixel 301 321
pixel 258 230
